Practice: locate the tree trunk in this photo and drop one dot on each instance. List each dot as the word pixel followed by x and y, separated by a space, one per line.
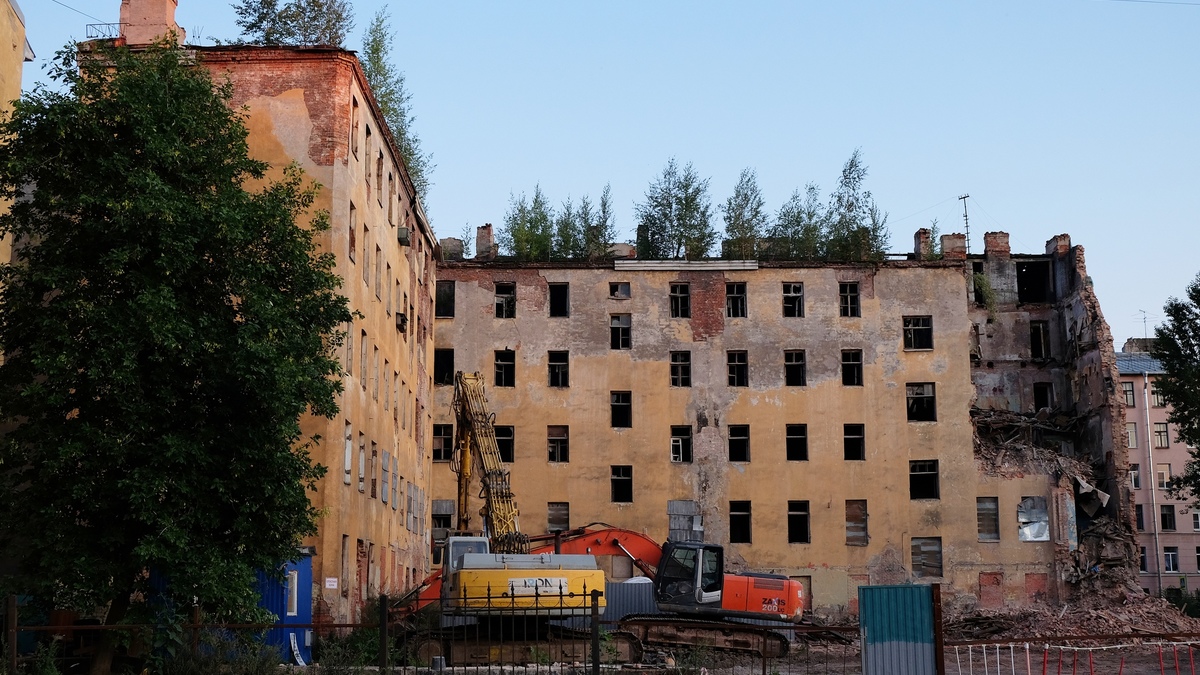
pixel 106 645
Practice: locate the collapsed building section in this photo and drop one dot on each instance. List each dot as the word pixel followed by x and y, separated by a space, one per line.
pixel 1047 404
pixel 925 418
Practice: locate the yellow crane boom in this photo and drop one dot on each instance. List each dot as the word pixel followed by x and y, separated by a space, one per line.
pixel 476 441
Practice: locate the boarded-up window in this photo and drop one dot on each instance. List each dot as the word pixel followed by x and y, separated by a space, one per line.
pixel 987 513
pixel 926 557
pixel 442 511
pixel 684 521
pixel 856 522
pixel 387 470
pixel 1033 520
pixel 558 516
pixel 395 480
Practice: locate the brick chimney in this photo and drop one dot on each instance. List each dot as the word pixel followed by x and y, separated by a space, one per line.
pixel 954 246
pixel 1058 244
pixel 923 244
pixel 146 21
pixel 485 244
pixel 995 245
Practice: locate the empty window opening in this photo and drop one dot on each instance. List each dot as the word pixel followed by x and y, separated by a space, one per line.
pixel 1033 281
pixel 797 442
pixel 793 368
pixel 797 522
pixel 1039 340
pixel 922 404
pixel 619 331
pixel 739 522
pixel 681 444
pixel 681 301
pixel 852 367
pixel 558 516
pixel 353 231
pixel 558 442
pixel 443 366
pixel 856 522
pixel 443 442
pixel 618 290
pixel 1135 476
pixel 560 300
pixel 793 299
pixel 506 300
pixel 848 297
pixel 622 409
pixel 977 269
pixel 854 441
pixel 918 332
pixel 1033 520
pixel 923 479
pixel 622 483
pixel 505 443
pixel 1043 395
pixel 1167 517
pixel 1139 516
pixel 735 300
pixel 681 369
pixel 559 369
pixel 926 557
pixel 506 368
pixel 739 442
pixel 987 514
pixel 739 369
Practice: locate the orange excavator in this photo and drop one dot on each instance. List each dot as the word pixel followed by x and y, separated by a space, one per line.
pixel 690 587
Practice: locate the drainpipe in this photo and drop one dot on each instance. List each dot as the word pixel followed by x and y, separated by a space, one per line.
pixel 1153 475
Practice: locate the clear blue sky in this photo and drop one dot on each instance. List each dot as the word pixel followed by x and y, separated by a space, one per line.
pixel 1076 116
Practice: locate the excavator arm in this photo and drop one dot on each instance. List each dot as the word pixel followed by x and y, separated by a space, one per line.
pixel 477 445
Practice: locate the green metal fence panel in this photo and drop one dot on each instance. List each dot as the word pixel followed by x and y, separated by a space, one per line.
pixel 897 630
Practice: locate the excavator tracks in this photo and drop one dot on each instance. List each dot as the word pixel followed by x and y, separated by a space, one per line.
pixel 654 630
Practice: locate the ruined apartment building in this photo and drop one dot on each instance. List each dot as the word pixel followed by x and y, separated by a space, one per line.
pixel 312 106
pixel 1168 528
pixel 817 419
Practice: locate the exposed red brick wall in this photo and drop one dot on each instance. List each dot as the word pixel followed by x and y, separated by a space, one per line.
pixel 991 590
pixel 323 75
pixel 1035 586
pixel 708 303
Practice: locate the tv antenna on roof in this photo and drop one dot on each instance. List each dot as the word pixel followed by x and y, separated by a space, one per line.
pixel 966 223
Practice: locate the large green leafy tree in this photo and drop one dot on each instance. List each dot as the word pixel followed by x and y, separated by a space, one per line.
pixel 1177 346
pixel 163 329
pixel 395 101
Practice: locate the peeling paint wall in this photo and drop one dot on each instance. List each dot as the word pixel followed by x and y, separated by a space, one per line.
pixel 888 292
pixel 312 107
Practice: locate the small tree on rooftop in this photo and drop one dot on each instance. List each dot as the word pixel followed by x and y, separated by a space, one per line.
pixel 528 229
pixel 297 22
pixel 746 219
pixel 675 220
pixel 394 99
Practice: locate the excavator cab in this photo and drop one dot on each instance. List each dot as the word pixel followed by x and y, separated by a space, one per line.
pixel 690 577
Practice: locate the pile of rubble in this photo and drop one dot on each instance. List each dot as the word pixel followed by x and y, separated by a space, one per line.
pixel 1140 614
pixel 1013 444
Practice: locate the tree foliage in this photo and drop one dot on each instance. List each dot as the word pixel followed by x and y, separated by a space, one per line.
pixel 799 229
pixel 746 219
pixel 856 229
pixel 163 331
pixel 394 99
pixel 534 230
pixel 675 220
pixel 297 22
pixel 1177 347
